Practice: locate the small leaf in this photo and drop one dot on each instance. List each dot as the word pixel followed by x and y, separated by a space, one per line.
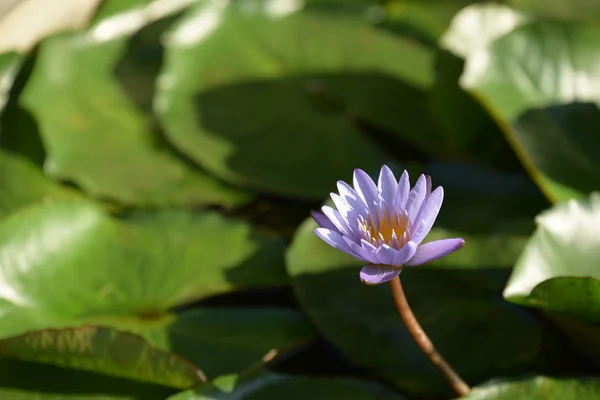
pixel 560 268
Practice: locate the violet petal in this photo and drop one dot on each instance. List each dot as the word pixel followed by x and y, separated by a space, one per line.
pixel 427 215
pixel 406 253
pixel 366 188
pixel 352 199
pixel 362 253
pixel 348 214
pixel 385 254
pixel 402 192
pixel 335 240
pixel 387 189
pixel 416 197
pixel 337 220
pixel 375 274
pixel 436 249
pixel 323 221
pixel 428 185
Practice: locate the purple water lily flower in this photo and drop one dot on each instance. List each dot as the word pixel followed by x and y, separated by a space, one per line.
pixel 384 224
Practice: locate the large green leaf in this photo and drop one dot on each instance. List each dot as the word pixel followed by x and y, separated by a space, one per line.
pixel 455 294
pixel 539 387
pixel 21 184
pixel 227 340
pixel 220 341
pixel 560 268
pixel 482 200
pixel 94 135
pixel 66 263
pixel 534 80
pixel 106 351
pixel 20 380
pixel 266 386
pixel 307 77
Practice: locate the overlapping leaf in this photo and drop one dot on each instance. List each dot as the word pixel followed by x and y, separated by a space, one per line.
pixel 541 83
pixel 94 134
pixel 227 340
pixel 257 91
pixel 67 263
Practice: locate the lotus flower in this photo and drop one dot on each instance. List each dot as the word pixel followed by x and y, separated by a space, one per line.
pixel 383 225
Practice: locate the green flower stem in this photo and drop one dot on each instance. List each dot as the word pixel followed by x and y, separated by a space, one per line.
pixel 423 341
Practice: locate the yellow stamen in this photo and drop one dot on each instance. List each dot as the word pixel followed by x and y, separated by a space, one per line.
pixel 384 227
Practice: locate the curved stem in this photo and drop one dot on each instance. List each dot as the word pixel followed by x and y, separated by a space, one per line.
pixel 423 341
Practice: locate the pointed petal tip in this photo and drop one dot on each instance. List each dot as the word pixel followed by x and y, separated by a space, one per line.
pixel 385 169
pixel 433 250
pixel 323 221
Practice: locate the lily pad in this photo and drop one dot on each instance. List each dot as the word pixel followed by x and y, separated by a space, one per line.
pixel 56 383
pixel 526 78
pixel 106 351
pixel 24 184
pixel 68 263
pixel 258 123
pixel 227 340
pixel 94 134
pixel 560 268
pixel 274 386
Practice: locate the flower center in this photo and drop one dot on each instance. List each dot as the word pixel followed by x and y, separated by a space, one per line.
pixel 391 229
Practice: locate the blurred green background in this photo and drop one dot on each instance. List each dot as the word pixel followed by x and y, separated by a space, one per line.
pixel 159 161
